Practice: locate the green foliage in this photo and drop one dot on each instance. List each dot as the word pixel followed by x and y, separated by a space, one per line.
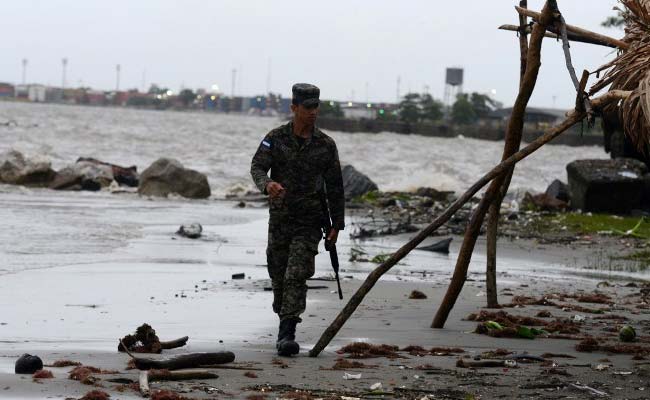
pixel 328 109
pixel 462 111
pixel 409 108
pixel 370 197
pixel 155 89
pixel 431 109
pixel 588 223
pixel 482 104
pixel 614 22
pixel 380 258
pixel 415 108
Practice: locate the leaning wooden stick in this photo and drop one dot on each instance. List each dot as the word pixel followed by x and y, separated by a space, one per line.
pixel 356 299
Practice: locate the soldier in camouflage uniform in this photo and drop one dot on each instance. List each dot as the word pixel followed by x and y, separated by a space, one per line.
pixel 304 166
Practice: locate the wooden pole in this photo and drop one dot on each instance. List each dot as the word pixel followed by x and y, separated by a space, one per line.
pixel 500 169
pixel 495 208
pixel 584 33
pixel 513 138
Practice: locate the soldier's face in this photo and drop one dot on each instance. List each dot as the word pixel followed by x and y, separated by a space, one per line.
pixel 305 115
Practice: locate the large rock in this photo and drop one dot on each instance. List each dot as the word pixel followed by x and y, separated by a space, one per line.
pixel 355 183
pixel 167 176
pixel 83 175
pixel 127 176
pixel 614 186
pixel 16 169
pixel 558 190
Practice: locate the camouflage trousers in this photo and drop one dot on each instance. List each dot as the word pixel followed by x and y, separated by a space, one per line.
pixel 290 257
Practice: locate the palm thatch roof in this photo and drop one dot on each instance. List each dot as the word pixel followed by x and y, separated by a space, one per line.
pixel 630 70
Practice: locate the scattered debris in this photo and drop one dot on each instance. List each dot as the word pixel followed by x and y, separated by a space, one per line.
pixel 43 374
pixel 95 395
pixel 367 350
pixel 463 363
pixel 63 363
pixel 190 231
pixel 556 355
pixel 343 364
pixel 167 395
pixel 145 340
pixel 347 376
pixel 417 295
pixel 587 345
pixel 250 374
pixel 239 276
pixel 438 247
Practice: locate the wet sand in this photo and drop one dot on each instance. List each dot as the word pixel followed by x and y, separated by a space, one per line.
pixel 183 287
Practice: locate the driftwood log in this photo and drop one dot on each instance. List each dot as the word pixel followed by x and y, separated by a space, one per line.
pixel 192 360
pixel 573 118
pixel 165 375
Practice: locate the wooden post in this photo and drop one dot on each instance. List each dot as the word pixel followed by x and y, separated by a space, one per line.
pixel 513 138
pixel 495 208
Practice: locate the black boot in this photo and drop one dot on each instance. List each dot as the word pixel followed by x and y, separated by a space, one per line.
pixel 286 343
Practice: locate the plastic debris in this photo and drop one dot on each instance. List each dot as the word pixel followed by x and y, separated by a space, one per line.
pixel 348 377
pixel 578 318
pixel 376 386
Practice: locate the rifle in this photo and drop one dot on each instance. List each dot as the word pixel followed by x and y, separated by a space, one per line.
pixel 329 246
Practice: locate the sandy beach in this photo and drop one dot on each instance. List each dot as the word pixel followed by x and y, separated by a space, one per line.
pixel 180 286
pixel 79 270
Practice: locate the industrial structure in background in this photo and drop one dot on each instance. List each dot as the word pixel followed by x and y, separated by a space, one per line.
pixel 453 85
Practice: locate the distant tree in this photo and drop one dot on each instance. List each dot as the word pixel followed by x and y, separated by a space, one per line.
pixel 482 103
pixel 330 109
pixel 430 108
pixel 409 108
pixel 615 21
pixel 186 96
pixel 155 89
pixel 462 111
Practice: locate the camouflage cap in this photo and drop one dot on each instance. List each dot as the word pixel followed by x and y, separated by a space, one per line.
pixel 305 94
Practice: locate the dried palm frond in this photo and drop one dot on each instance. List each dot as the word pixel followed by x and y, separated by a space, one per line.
pixel 630 70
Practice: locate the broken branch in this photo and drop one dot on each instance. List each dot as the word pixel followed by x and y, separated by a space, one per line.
pixel 595 38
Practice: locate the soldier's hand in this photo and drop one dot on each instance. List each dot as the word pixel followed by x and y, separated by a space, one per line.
pixel 274 189
pixel 333 235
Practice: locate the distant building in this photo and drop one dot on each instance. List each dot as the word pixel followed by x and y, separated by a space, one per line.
pixel 54 95
pixel 536 118
pixel 358 110
pixel 37 93
pixel 6 90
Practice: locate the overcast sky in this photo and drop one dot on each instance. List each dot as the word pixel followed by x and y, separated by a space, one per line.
pixel 348 48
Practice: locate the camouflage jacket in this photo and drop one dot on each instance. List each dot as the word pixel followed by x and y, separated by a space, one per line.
pixel 304 171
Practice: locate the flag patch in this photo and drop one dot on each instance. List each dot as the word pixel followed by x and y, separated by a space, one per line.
pixel 265 143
